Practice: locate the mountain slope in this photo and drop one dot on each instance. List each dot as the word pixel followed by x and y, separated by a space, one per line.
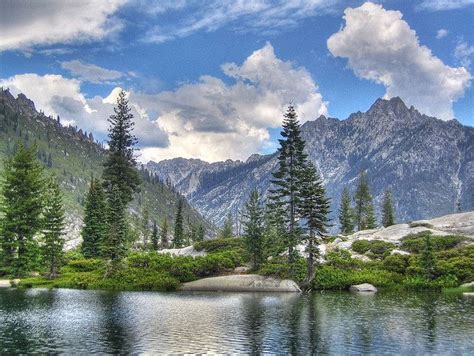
pixel 427 163
pixel 74 157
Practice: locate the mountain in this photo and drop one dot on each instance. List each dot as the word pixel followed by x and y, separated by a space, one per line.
pixel 427 163
pixel 74 157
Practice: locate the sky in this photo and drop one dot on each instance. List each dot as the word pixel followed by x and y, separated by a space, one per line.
pixel 211 79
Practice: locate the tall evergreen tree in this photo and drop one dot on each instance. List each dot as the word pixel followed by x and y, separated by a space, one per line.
pixel 388 213
pixel 200 233
pixel 178 238
pixel 119 168
pixel 314 207
pixel 285 194
pixel 227 230
pixel 164 234
pixel 145 226
pixel 22 192
pixel 53 225
pixel 155 239
pixel 253 223
pixel 94 230
pixel 115 246
pixel 345 213
pixel 427 259
pixel 364 217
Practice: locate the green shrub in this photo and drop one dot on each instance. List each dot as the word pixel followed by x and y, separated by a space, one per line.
pixel 415 242
pixel 219 245
pixel 341 259
pixel 278 267
pixel 85 265
pixel 361 246
pixel 373 248
pixel 421 283
pixel 421 224
pixel 396 263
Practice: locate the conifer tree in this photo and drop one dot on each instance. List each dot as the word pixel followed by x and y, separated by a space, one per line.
pixel 164 234
pixel 22 205
pixel 314 208
pixel 119 168
pixel 115 246
pixel 94 230
pixel 145 226
pixel 53 225
pixel 285 194
pixel 364 217
pixel 388 213
pixel 427 259
pixel 155 239
pixel 253 223
pixel 227 230
pixel 345 213
pixel 178 238
pixel 200 233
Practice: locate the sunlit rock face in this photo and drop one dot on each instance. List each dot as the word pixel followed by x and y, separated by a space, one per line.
pixel 427 163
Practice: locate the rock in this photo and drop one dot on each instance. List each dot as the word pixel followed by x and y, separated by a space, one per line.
pixel 242 269
pixel 399 252
pixel 364 288
pixel 466 294
pixel 241 283
pixel 185 251
pixel 468 285
pixel 5 283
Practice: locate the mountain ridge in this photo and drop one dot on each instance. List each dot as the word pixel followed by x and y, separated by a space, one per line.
pixel 427 162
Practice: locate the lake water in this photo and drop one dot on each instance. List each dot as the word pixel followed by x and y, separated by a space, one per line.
pixel 67 321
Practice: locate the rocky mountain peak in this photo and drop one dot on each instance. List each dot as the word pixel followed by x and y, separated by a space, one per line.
pixel 394 107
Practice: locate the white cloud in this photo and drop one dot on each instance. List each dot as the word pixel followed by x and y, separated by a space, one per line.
pixel 246 16
pixel 382 47
pixel 463 53
pixel 56 95
pixel 442 33
pixel 90 72
pixel 213 120
pixel 210 119
pixel 29 23
pixel 441 5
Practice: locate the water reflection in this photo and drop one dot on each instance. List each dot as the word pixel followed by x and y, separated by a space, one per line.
pixel 66 321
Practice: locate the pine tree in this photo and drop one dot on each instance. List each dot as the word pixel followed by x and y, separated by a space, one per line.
pixel 200 233
pixel 119 168
pixel 115 246
pixel 364 217
pixel 427 259
pixel 145 226
pixel 94 230
pixel 22 192
pixel 285 194
pixel 388 213
pixel 227 230
pixel 178 238
pixel 314 208
pixel 155 239
pixel 253 223
pixel 164 234
pixel 53 225
pixel 345 213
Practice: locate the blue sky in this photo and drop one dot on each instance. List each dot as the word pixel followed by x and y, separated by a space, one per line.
pixel 210 79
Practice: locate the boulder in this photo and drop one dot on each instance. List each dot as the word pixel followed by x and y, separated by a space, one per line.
pixel 399 252
pixel 364 288
pixel 242 269
pixel 185 251
pixel 468 285
pixel 241 283
pixel 467 294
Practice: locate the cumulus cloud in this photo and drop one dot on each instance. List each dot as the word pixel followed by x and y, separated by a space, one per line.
pixel 442 33
pixel 245 16
pixel 441 5
pixel 56 95
pixel 380 46
pixel 213 120
pixel 29 23
pixel 90 72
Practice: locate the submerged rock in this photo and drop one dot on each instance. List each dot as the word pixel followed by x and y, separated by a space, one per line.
pixel 364 287
pixel 242 283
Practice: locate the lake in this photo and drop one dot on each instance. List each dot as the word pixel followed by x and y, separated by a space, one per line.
pixel 66 321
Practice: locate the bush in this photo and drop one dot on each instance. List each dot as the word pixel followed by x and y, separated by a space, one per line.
pixel 421 283
pixel 278 267
pixel 396 263
pixel 421 224
pixel 373 248
pixel 219 245
pixel 415 242
pixel 85 265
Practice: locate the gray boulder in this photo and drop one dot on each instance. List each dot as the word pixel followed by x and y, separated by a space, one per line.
pixel 364 288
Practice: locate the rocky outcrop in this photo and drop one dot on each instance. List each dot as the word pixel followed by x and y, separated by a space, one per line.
pixel 363 288
pixel 185 251
pixel 241 283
